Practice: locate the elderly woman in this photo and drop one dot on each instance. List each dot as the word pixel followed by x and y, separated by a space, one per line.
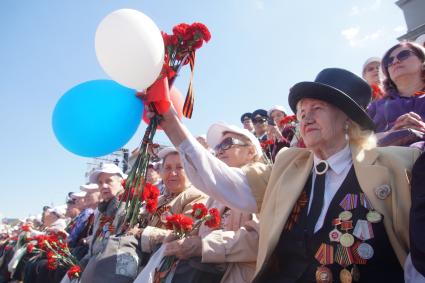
pixel 234 147
pixel 403 107
pixel 123 255
pixel 338 209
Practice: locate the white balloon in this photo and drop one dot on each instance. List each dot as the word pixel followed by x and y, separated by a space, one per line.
pixel 130 48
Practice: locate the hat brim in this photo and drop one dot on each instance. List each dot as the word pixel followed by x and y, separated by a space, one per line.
pixel 333 96
pixel 166 151
pixel 95 175
pixel 216 130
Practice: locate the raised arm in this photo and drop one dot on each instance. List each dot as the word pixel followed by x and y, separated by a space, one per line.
pixel 208 174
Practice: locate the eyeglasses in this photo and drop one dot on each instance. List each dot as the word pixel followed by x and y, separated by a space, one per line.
pixel 228 143
pixel 259 120
pixel 401 56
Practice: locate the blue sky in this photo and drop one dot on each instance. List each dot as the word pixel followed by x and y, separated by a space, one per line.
pixel 258 50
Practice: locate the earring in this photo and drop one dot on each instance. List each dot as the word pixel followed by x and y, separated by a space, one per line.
pixel 346 131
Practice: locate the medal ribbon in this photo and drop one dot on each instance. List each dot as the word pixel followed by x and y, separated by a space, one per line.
pixel 347 225
pixel 349 202
pixel 365 202
pixel 363 230
pixel 357 258
pixel 325 254
pixel 336 222
pixel 344 256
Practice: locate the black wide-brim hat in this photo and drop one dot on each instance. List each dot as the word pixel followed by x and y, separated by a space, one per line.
pixel 341 88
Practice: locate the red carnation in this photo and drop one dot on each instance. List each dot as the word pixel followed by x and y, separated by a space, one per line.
pixel 201 31
pixel 74 272
pixel 180 30
pixel 30 248
pixel 179 222
pixel 25 228
pixel 199 210
pixel 151 205
pixel 287 120
pixel 150 192
pixel 213 218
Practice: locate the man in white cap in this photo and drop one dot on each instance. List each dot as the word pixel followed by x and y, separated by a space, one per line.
pixel 109 179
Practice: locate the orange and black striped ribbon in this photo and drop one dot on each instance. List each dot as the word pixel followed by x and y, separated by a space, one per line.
pixel 325 254
pixel 190 96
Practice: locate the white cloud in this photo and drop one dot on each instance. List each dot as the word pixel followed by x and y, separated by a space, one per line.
pixel 356 39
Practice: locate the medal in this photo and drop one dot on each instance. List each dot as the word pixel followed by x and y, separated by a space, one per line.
pixel 355 273
pixel 346 240
pixel 345 215
pixel 373 216
pixel 323 275
pixel 343 256
pixel 335 235
pixel 365 251
pixel 363 230
pixel 345 276
pixel 324 255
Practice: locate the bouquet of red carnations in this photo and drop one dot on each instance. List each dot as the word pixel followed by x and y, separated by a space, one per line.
pixel 183 226
pixel 55 248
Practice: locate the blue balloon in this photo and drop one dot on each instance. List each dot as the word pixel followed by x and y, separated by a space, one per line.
pixel 96 118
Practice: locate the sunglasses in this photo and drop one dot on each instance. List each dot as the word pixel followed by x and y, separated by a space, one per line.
pixel 259 120
pixel 228 143
pixel 401 56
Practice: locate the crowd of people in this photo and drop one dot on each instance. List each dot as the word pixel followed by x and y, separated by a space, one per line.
pixel 333 193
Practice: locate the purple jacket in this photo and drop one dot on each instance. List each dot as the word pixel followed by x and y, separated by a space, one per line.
pixel 385 111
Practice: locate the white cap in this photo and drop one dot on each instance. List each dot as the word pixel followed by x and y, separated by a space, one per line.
pixel 277 107
pixel 420 39
pixel 59 210
pixel 215 135
pixel 370 60
pixel 90 188
pixel 166 151
pixel 108 168
pixel 80 194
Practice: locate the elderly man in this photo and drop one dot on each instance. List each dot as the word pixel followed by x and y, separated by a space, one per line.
pixel 108 178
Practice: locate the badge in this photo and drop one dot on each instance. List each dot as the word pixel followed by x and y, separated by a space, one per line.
pixel 323 275
pixel 365 251
pixel 373 216
pixel 335 235
pixel 345 276
pixel 355 273
pixel 346 240
pixel 345 215
pixel 382 192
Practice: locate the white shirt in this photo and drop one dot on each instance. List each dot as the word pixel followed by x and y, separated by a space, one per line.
pixel 339 166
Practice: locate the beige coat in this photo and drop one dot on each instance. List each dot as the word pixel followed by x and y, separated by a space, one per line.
pixel 374 168
pixel 152 236
pixel 235 244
